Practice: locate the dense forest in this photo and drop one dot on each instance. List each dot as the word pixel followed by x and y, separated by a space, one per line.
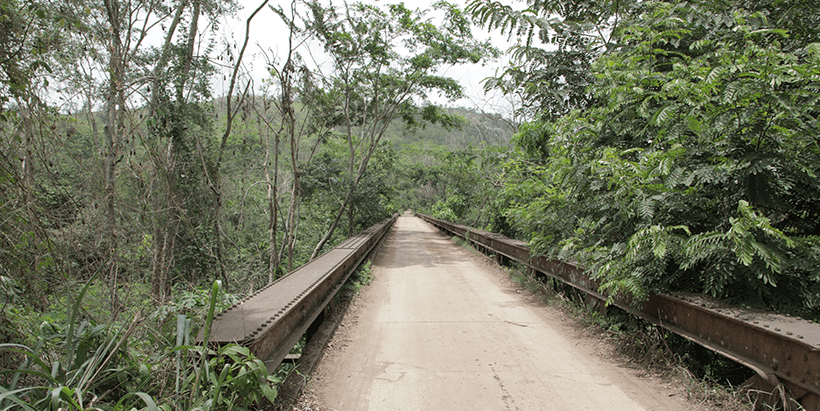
pixel 664 146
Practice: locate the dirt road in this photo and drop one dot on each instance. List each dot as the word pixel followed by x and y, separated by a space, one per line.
pixel 441 329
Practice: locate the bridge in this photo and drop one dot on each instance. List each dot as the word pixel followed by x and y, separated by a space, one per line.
pixel 783 351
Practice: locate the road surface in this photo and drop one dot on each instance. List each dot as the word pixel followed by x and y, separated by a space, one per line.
pixel 440 328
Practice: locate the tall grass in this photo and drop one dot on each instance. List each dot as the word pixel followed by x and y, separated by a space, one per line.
pixel 80 365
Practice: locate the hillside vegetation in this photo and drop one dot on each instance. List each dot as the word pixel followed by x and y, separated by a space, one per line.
pixel 133 203
pixel 669 146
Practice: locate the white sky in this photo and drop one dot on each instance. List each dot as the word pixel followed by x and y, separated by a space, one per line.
pixel 268 33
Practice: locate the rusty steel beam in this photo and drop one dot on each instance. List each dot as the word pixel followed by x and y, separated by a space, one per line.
pixel 779 348
pixel 271 320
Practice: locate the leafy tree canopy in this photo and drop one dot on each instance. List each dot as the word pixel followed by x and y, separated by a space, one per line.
pixel 695 166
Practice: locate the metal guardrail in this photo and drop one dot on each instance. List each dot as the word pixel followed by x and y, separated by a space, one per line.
pixel 273 319
pixel 783 350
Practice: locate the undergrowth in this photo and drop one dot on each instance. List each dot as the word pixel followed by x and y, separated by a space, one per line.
pixel 77 359
pixel 362 277
pixel 464 244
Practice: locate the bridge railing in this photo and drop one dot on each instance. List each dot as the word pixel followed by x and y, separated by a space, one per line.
pixel 273 319
pixel 783 350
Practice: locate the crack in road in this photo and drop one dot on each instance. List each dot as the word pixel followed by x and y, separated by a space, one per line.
pixel 505 395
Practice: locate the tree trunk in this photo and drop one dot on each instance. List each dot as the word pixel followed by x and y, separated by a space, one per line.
pixel 350 221
pixel 275 217
pixel 330 230
pixel 293 221
pixel 113 128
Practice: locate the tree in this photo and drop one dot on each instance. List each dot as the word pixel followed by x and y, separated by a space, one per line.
pixel 696 167
pixel 373 84
pixel 301 125
pixel 180 159
pixel 557 43
pixel 28 213
pixel 24 42
pixel 471 178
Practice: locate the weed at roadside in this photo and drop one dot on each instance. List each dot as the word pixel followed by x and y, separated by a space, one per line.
pixel 362 277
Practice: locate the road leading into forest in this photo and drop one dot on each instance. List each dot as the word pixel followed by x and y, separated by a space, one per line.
pixel 441 329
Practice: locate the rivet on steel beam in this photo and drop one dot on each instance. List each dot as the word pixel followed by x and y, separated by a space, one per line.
pixel 789 333
pixel 777 329
pixel 755 322
pixel 766 325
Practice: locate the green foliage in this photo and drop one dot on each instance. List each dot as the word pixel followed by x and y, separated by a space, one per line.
pixel 192 303
pixel 87 365
pixel 362 277
pixel 227 378
pixel 386 62
pixel 469 180
pixel 370 67
pixel 696 168
pixel 557 42
pixel 77 364
pixel 29 31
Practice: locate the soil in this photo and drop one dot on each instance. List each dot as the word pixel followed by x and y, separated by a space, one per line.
pixel 440 328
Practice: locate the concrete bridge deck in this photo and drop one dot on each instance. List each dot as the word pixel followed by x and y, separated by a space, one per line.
pixel 443 329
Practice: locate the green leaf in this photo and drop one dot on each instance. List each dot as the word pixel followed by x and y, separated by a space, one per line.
pixel 663 115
